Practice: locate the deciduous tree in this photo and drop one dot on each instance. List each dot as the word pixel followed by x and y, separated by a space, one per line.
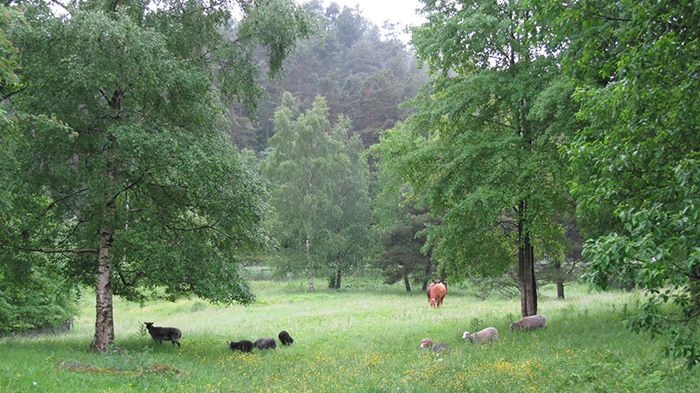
pixel 636 161
pixel 319 192
pixel 123 150
pixel 481 147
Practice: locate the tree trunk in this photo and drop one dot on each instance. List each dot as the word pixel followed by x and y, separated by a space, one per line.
pixel 526 267
pixel 311 282
pixel 338 277
pixel 426 279
pixel 560 280
pixel 104 318
pixel 406 282
pixel 104 321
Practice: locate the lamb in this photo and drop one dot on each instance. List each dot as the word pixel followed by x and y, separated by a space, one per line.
pixel 265 343
pixel 285 338
pixel 435 347
pixel 484 335
pixel 243 345
pixel 531 322
pixel 161 334
pixel 425 343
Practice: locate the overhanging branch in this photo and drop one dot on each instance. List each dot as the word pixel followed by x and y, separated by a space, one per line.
pixel 60 250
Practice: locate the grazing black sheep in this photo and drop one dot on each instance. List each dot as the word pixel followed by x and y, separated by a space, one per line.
pixel 285 338
pixel 243 345
pixel 161 334
pixel 265 343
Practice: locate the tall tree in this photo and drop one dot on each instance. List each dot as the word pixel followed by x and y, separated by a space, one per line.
pixel 481 149
pixel 350 217
pixel 636 161
pixel 125 152
pixel 319 190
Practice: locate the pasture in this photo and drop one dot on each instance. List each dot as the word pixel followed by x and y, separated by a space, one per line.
pixel 361 339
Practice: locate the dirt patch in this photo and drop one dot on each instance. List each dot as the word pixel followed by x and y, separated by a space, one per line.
pixel 156 368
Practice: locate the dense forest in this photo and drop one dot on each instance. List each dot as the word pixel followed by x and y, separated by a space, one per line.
pixel 154 149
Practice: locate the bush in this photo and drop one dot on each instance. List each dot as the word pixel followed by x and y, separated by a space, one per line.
pixel 35 301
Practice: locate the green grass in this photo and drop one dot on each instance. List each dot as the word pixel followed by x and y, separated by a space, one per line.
pixel 363 339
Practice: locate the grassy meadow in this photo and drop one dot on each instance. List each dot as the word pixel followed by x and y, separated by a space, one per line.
pixel 361 339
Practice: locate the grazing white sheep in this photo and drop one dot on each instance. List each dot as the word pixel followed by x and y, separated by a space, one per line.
pixel 531 322
pixel 484 335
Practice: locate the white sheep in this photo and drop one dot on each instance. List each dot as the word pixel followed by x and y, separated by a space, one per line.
pixel 531 322
pixel 485 335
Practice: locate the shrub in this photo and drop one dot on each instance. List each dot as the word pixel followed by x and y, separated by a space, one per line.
pixel 35 301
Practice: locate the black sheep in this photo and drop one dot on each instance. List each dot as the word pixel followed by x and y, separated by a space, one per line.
pixel 161 334
pixel 243 345
pixel 285 338
pixel 265 343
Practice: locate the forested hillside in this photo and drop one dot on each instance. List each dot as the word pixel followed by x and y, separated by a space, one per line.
pixel 362 71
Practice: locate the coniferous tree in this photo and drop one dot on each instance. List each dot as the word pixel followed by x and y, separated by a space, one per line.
pixel 361 75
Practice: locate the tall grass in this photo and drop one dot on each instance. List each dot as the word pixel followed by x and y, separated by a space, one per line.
pixel 363 339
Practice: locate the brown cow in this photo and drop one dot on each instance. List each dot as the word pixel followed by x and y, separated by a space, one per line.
pixel 437 293
pixel 430 285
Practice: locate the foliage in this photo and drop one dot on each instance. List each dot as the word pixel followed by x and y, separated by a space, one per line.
pixel 319 189
pixel 30 298
pixel 34 295
pixel 402 257
pixel 350 219
pixel 636 160
pixel 122 150
pixel 402 227
pixel 482 147
pixel 9 80
pixel 362 75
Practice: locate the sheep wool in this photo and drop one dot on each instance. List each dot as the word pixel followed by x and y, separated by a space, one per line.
pixel 161 334
pixel 265 343
pixel 285 338
pixel 484 335
pixel 243 345
pixel 531 322
pixel 426 343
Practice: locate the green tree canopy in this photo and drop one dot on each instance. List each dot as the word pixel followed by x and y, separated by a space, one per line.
pixel 123 161
pixel 319 190
pixel 636 162
pixel 482 147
